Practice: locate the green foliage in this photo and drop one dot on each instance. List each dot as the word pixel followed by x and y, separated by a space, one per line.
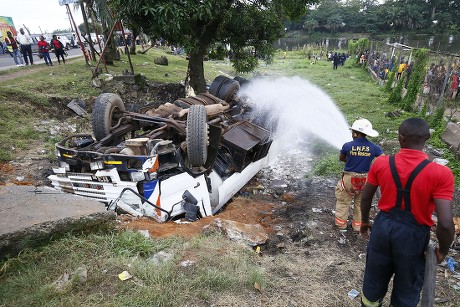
pixel 396 95
pixel 397 16
pixel 416 77
pixel 130 244
pixel 436 120
pixel 391 78
pixel 244 63
pixel 218 52
pixel 328 166
pixel 358 46
pixel 424 110
pixel 200 25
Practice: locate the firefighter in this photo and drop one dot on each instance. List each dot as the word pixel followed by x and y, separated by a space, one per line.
pixel 412 188
pixel 357 155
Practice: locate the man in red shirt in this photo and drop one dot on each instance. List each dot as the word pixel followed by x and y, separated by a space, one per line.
pixel 412 188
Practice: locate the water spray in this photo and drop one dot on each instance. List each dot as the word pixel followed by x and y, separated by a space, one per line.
pixel 298 109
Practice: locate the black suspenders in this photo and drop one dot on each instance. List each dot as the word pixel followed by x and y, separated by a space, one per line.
pixel 405 192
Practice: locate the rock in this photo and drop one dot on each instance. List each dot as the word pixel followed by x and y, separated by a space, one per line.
pixel 288 197
pixel 187 263
pixel 451 136
pixel 144 233
pixel 161 257
pixel 161 61
pixel 80 275
pixel 250 234
pixel 393 114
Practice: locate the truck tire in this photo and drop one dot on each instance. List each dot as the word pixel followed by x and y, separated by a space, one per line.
pixel 197 136
pixel 224 88
pixel 107 110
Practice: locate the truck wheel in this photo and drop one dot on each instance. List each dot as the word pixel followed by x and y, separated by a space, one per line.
pixel 197 135
pixel 224 88
pixel 107 110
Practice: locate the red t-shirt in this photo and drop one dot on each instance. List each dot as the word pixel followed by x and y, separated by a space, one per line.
pixel 434 181
pixel 43 46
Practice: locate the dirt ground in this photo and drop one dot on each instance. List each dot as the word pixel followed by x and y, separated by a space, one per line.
pixel 306 260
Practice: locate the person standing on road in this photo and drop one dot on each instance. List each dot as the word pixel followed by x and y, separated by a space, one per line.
pixel 357 155
pixel 26 46
pixel 58 49
pixel 412 188
pixel 44 48
pixel 11 43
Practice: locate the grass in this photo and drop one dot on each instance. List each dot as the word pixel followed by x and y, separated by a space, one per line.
pixel 220 267
pixel 30 278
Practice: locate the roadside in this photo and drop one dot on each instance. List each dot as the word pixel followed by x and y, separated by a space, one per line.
pixel 7 62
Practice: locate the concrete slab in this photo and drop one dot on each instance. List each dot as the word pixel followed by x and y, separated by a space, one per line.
pixel 451 137
pixel 29 214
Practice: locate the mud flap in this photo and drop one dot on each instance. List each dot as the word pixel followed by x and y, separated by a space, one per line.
pixel 190 207
pixel 191 211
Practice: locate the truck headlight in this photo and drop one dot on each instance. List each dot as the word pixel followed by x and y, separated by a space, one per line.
pixel 94 166
pixel 64 165
pixel 137 176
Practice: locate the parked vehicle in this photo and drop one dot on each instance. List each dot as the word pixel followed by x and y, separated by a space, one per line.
pixel 186 158
pixel 65 41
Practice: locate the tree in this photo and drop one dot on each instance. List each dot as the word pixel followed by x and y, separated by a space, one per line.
pixel 249 27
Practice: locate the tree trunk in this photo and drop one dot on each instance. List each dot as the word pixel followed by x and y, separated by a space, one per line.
pixel 196 70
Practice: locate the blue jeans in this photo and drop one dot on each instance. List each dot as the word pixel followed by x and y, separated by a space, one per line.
pixel 17 57
pixel 47 58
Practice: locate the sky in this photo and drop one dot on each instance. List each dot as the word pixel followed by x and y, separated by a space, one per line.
pixel 35 14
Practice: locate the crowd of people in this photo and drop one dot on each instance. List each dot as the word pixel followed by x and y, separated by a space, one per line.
pixel 440 79
pixel 20 48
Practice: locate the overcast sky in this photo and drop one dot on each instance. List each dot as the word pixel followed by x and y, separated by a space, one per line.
pixel 46 14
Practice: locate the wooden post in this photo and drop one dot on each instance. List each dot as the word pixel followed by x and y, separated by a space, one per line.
pixel 82 47
pixel 126 47
pixel 85 21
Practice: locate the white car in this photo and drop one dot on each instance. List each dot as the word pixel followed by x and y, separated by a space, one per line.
pixel 186 158
pixel 65 41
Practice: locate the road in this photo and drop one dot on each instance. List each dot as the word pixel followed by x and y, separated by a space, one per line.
pixel 7 62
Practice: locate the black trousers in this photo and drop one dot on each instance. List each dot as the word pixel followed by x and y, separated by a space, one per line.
pixel 26 51
pixel 396 247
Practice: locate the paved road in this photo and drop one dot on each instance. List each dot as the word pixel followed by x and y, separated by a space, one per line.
pixel 7 62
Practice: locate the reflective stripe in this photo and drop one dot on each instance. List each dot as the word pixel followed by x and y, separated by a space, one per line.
pixel 354 223
pixel 368 303
pixel 339 222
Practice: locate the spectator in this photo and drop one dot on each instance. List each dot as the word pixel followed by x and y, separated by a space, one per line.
pixel 43 49
pixel 12 43
pixel 58 49
pixel 401 68
pixel 25 41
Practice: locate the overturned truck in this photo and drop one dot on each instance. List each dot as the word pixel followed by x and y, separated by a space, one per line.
pixel 182 159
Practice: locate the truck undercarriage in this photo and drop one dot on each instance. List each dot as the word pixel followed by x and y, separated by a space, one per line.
pixel 182 159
